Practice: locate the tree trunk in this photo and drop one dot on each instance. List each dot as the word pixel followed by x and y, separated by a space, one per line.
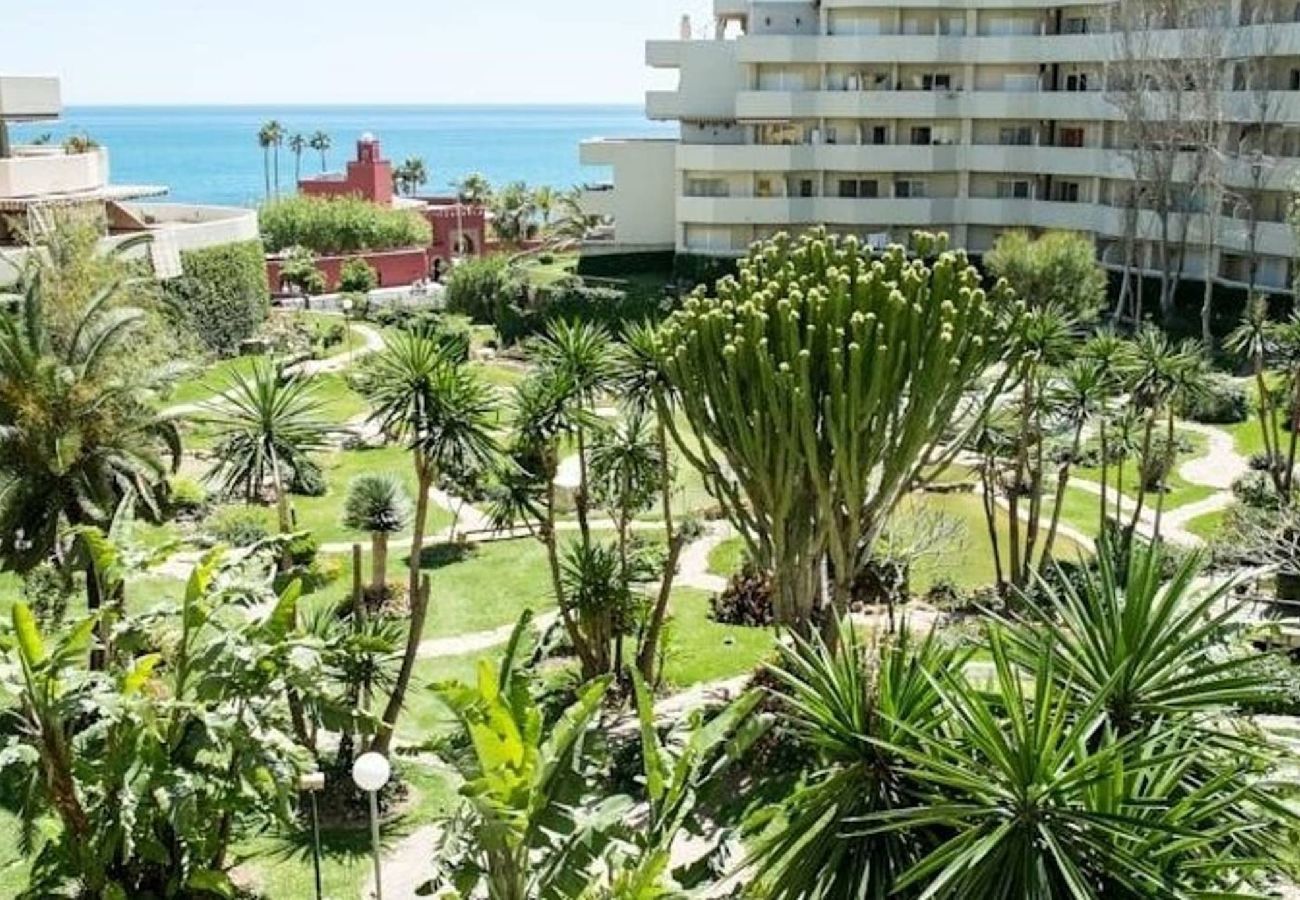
pixel 378 564
pixel 1170 456
pixel 1105 471
pixel 990 501
pixel 1147 435
pixel 647 652
pixel 580 496
pixel 419 600
pixel 1062 482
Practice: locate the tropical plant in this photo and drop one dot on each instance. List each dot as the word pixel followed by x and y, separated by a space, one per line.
pixel 517 833
pixel 513 210
pixel 474 189
pixel 79 430
pixel 266 426
pixel 298 269
pixel 858 711
pixel 297 144
pixel 411 175
pixel 269 137
pixel 801 363
pixel 442 412
pixel 545 200
pixel 321 143
pixel 144 770
pixel 1286 341
pixel 377 504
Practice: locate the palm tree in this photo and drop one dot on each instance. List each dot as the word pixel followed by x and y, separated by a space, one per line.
pixel 321 143
pixel 274 134
pixel 512 213
pixel 267 424
pixel 79 431
pixel 266 138
pixel 420 394
pixel 474 189
pixel 1076 397
pixel 545 200
pixel 413 173
pixel 1285 337
pixel 297 143
pixel 1110 352
pixel 1252 341
pixel 377 504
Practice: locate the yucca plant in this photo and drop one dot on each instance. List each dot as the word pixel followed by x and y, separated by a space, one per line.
pixel 819 382
pixel 1148 647
pixel 857 710
pixel 378 504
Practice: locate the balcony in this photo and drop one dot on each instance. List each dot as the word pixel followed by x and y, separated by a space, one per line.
pixel 26 98
pixel 36 171
pixel 768 105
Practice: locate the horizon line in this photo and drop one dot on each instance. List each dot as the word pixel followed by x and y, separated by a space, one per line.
pixel 344 103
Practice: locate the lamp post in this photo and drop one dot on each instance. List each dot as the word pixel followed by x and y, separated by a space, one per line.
pixel 371 772
pixel 312 784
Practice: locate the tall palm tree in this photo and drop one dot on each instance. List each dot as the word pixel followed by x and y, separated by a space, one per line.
pixel 1110 352
pixel 266 140
pixel 512 213
pixel 414 174
pixel 321 143
pixel 275 134
pixel 1076 397
pixel 421 395
pixel 1252 341
pixel 267 424
pixel 79 431
pixel 297 144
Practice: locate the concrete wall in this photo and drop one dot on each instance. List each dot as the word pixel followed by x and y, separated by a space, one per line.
pixel 33 171
pixel 643 201
pixel 395 268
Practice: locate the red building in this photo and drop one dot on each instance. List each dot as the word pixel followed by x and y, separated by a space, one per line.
pixel 459 229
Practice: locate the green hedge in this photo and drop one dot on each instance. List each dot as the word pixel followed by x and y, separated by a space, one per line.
pixel 620 265
pixel 222 294
pixel 574 301
pixel 329 226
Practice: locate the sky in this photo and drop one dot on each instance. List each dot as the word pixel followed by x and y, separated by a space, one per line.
pixel 342 51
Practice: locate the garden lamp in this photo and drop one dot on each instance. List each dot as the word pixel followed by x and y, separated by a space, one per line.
pixel 312 784
pixel 371 772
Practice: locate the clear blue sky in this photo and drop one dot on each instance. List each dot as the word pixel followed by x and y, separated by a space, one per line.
pixel 333 51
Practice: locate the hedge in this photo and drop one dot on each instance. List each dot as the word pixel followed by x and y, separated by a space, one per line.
pixel 572 300
pixel 222 294
pixel 329 226
pixel 619 265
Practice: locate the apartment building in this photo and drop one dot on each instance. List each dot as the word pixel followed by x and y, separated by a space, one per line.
pixel 40 182
pixel 969 116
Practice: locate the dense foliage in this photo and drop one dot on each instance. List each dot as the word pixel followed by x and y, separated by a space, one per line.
pixel 340 225
pixel 222 294
pixel 1056 270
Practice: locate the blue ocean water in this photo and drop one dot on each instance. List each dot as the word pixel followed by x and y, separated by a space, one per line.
pixel 209 154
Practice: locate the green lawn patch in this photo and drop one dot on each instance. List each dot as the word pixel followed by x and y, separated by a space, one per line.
pixel 700 649
pixel 727 558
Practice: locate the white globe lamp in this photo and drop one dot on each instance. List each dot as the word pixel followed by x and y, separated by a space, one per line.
pixel 371 772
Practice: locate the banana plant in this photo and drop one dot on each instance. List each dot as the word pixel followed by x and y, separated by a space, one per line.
pixel 820 382
pixel 521 832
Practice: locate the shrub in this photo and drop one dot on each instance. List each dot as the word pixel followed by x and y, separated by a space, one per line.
pixel 747 599
pixel 186 496
pixel 1224 402
pixel 479 288
pixel 340 225
pixel 222 295
pixel 1256 489
pixel 46 589
pixel 308 480
pixel 302 549
pixel 238 526
pixel 358 277
pixel 1159 464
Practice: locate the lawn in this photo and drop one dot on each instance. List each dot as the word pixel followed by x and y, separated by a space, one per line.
pixel 1182 492
pixel 700 649
pixel 967 561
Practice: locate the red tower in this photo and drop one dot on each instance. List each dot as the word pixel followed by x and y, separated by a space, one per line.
pixel 369 176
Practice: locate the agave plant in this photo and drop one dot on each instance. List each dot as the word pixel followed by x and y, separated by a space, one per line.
pixel 378 504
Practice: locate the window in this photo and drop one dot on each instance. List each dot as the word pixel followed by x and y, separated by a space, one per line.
pixel 879 135
pixel 764 188
pixel 1076 81
pixel 805 187
pixel 921 134
pixel 848 188
pixel 910 189
pixel 1013 190
pixel 707 187
pixel 1066 192
pixel 1075 25
pixel 1071 137
pixel 1016 136
pixel 868 189
pixel 1295 79
pixel 937 81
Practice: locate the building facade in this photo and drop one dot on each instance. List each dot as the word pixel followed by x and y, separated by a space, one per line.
pixel 41 182
pixel 969 116
pixel 458 229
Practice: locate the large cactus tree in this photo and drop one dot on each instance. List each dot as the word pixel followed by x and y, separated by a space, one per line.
pixel 822 381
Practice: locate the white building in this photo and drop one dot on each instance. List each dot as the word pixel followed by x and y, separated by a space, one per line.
pixel 875 117
pixel 37 181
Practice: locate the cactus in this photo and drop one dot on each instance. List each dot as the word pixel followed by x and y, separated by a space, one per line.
pixel 821 380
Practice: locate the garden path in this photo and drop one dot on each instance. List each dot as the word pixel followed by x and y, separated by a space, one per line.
pixel 371 342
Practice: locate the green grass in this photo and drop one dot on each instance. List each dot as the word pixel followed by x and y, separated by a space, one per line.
pixel 206 383
pixel 1181 493
pixel 1207 527
pixel 701 650
pixel 727 558
pixel 967 562
pixel 488 587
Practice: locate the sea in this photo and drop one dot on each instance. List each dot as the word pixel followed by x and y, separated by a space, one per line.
pixel 210 154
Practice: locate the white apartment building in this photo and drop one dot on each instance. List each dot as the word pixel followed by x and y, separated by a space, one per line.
pixel 877 117
pixel 38 181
